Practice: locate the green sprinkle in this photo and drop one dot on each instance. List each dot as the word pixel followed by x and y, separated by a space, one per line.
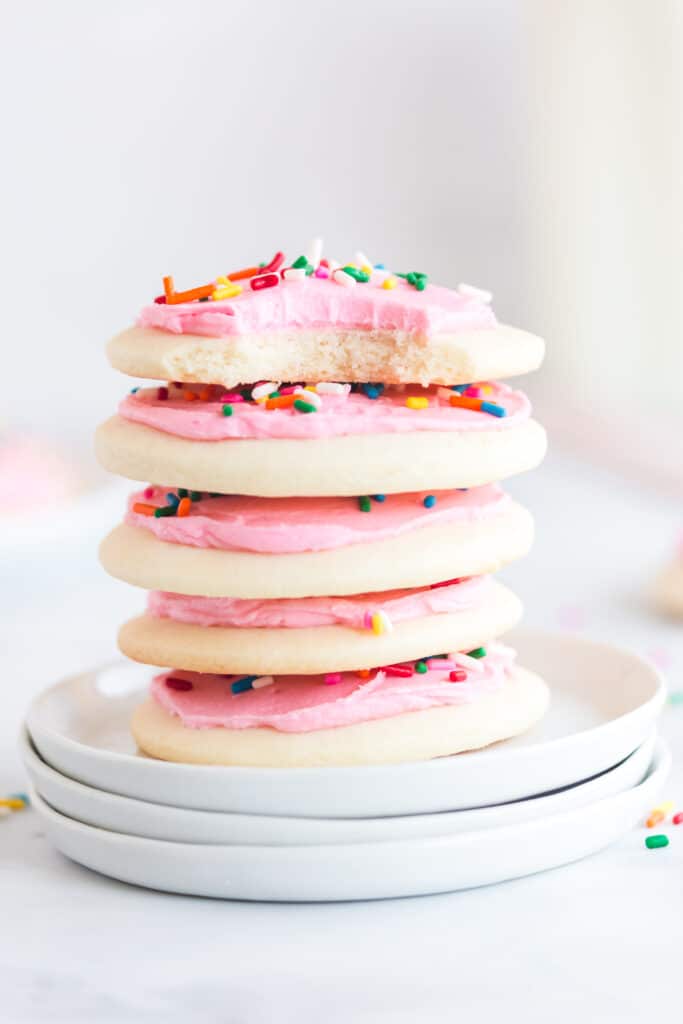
pixel 167 510
pixel 478 652
pixel 300 263
pixel 676 697
pixel 356 274
pixel 195 495
pixel 304 406
pixel 415 278
pixel 655 842
pixel 182 492
pixel 421 667
pixel 227 410
pixel 364 503
pixel 274 394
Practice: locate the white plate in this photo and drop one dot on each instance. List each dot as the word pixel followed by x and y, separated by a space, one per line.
pixel 157 821
pixel 364 870
pixel 604 705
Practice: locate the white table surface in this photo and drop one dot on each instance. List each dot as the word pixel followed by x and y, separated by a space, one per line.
pixel 600 939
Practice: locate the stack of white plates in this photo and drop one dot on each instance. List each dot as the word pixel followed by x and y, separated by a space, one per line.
pixel 585 776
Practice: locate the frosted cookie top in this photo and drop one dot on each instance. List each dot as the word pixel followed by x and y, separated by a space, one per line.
pixel 370 298
pixel 313 318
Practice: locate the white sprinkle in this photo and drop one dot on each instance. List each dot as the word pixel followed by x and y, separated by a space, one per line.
pixel 470 292
pixel 262 681
pixel 344 279
pixel 310 396
pixel 294 274
pixel 361 260
pixel 265 389
pixel 328 387
pixel 314 251
pixel 471 664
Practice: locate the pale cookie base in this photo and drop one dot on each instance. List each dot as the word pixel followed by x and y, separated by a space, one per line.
pixel 315 649
pixel 430 554
pixel 413 736
pixel 393 357
pixel 348 465
pixel 668 590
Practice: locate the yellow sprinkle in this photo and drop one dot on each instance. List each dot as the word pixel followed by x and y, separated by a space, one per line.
pixel 226 291
pixel 377 624
pixel 223 280
pixel 665 807
pixel 310 387
pixel 389 282
pixel 487 389
pixel 366 269
pixel 16 805
pixel 415 402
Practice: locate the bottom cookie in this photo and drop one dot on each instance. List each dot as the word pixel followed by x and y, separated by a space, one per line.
pixel 411 736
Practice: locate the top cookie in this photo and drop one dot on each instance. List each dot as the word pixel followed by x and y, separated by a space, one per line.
pixel 315 320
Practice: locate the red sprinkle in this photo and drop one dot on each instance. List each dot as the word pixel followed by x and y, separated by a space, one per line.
pixel 174 683
pixel 399 670
pixel 274 265
pixel 678 818
pixel 264 281
pixel 148 492
pixel 458 675
pixel 447 583
pixel 160 300
pixel 162 394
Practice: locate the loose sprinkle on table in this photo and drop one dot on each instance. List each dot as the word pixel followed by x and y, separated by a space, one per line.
pixel 678 818
pixel 656 842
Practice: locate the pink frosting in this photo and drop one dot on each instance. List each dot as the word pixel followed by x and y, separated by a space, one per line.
pixel 316 302
pixel 306 703
pixel 339 415
pixel 284 525
pixel 299 613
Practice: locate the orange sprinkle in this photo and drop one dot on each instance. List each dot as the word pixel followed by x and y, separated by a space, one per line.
pixel 240 275
pixel 364 673
pixel 281 402
pixel 144 510
pixel 172 296
pixel 655 818
pixel 462 402
pixel 184 506
pixel 189 396
pixel 205 395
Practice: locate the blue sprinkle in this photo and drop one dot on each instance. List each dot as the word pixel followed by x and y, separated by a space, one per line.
pixel 243 684
pixel 372 390
pixel 379 266
pixel 493 409
pixel 134 391
pixel 20 796
pixel 172 499
pixel 460 388
pixel 429 501
pixel 379 497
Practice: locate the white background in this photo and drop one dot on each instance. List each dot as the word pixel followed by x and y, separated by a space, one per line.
pixel 532 148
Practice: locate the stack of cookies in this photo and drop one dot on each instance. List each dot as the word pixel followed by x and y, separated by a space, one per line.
pixel 319 516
